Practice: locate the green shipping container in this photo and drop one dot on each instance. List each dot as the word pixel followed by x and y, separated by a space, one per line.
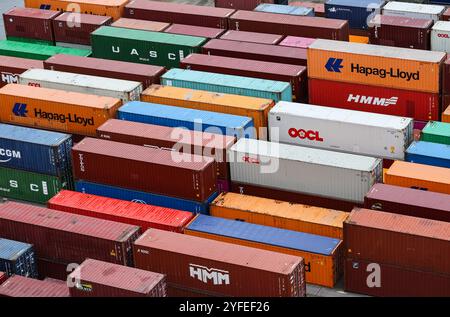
pixel 436 132
pixel 28 186
pixel 145 47
pixel 28 40
pixel 37 51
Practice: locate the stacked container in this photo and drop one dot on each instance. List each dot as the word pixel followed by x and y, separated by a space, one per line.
pixel 19 286
pixel 414 10
pixel 429 153
pixel 356 12
pixel 37 51
pixel 140 25
pixel 252 37
pixel 284 9
pixel 12 67
pixel 436 132
pixel 17 258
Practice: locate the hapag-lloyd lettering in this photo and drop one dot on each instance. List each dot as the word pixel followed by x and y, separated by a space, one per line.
pixel 383 73
pixel 63 118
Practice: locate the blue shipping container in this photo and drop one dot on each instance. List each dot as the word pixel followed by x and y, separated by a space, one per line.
pixel 144 198
pixel 429 153
pixel 356 12
pixel 192 119
pixel 228 84
pixel 284 9
pixel 17 258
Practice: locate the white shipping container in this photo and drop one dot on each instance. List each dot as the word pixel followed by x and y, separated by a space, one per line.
pixel 335 129
pixel 305 170
pixel 440 36
pixel 414 10
pixel 125 90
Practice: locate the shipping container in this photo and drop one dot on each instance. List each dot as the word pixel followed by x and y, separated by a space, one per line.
pixel 252 37
pixel 440 36
pixel 407 201
pixel 12 67
pixel 429 153
pixel 192 30
pixel 245 4
pixel 102 279
pixel 124 90
pixel 376 65
pixel 215 268
pixel 414 10
pixel 436 132
pixel 359 39
pixel 55 109
pixel 184 176
pixel 284 9
pixel 446 114
pixel 319 8
pixel 37 51
pixel 291 168
pixel 179 13
pixel 19 286
pixel 77 29
pixel 51 269
pixel 223 185
pixel 3 277
pixel 256 51
pixel 17 258
pixel 356 12
pixel 65 237
pixel 144 47
pixel 140 25
pixel 297 41
pixel 144 216
pixel 446 15
pixel 314 27
pixel 316 126
pixel 323 256
pixel 419 105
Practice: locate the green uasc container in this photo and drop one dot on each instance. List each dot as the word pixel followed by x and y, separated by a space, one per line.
pixel 145 47
pixel 28 186
pixel 37 51
pixel 436 132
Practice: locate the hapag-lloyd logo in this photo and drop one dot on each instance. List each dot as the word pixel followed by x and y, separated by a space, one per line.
pixel 205 275
pixel 305 134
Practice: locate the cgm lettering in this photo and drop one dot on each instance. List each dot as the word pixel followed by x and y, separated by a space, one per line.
pixel 204 274
pixel 7 155
pixel 383 73
pixel 63 118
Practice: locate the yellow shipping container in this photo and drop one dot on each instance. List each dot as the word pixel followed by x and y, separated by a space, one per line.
pixel 256 108
pixel 375 65
pixel 446 115
pixel 280 214
pixel 53 109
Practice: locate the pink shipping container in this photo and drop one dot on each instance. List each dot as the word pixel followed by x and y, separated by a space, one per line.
pixel 252 37
pixel 12 67
pixel 19 286
pixel 192 30
pixel 240 4
pixel 296 41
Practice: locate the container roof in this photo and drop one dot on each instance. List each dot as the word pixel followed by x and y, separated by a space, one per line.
pixel 414 7
pixel 36 136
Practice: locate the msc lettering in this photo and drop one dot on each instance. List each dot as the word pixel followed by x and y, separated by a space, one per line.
pixel 151 54
pixel 71 118
pixel 32 187
pixel 383 73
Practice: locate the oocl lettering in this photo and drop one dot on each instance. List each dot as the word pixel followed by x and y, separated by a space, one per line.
pixel 444 35
pixel 7 155
pixel 204 274
pixel 305 134
pixel 63 118
pixel 383 73
pixel 248 159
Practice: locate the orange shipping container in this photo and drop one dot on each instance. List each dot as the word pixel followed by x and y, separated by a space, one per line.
pixel 358 39
pixel 376 65
pixel 280 214
pixel 256 108
pixel 446 115
pixel 418 176
pixel 55 109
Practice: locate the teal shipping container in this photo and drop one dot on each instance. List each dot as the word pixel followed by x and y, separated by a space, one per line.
pixel 37 51
pixel 229 84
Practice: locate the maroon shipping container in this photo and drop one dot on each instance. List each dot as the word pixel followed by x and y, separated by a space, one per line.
pixel 19 286
pixel 217 268
pixel 197 142
pixel 240 4
pixel 180 292
pixel 294 74
pixel 446 79
pixel 30 23
pixel 257 52
pixel 395 281
pixel 146 74
pixel 67 238
pixel 77 29
pixel 192 30
pixel 252 37
pixel 398 240
pixel 178 13
pixel 12 67
pixel 446 15
pixel 286 24
pixel 102 279
pixel 445 102
pixel 400 32
pixel 49 269
pixel 319 8
pixel 144 169
pixel 3 277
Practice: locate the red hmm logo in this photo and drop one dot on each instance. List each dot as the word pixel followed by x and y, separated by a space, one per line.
pixel 303 134
pixel 248 159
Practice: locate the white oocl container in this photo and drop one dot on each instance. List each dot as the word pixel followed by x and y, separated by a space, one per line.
pixel 414 10
pixel 125 90
pixel 335 129
pixel 305 170
pixel 440 36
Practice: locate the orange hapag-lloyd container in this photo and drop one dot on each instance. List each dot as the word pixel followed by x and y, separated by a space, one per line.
pixel 280 214
pixel 253 107
pixel 446 115
pixel 53 109
pixel 418 176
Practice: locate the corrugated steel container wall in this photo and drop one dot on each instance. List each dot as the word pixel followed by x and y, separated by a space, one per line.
pixel 65 237
pixel 429 153
pixel 17 258
pixel 384 66
pixel 19 286
pixel 319 8
pixel 419 105
pixel 223 270
pixel 101 279
pixel 409 202
pixel 37 51
pixel 178 13
pixel 323 256
pixel 244 4
pixel 144 216
pixel 145 198
pixel 192 30
pixel 3 277
pixel 253 37
pixel 297 41
pixel 437 132
pixel 284 9
pixel 55 109
pixel 140 25
pixel 446 115
pixel 440 36
pixel 51 269
pixel 404 241
pixel 414 10
pixel 12 67
pixel 356 12
pixel 279 214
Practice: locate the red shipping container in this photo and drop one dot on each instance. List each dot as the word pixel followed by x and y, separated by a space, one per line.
pixel 192 30
pixel 294 74
pixel 19 286
pixel 30 23
pixel 446 78
pixel 3 277
pixel 445 102
pixel 398 102
pixel 12 67
pixel 296 41
pixel 145 169
pixel 77 29
pixel 144 216
pixel 240 4
pixel 67 238
pixel 197 142
pixel 255 51
pixel 408 201
pixel 252 37
pixel 102 279
pixel 319 8
pixel 446 15
pixel 178 13
pixel 286 24
pixel 404 241
pixel 49 269
pixel 179 292
pixel 146 74
pixel 217 268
